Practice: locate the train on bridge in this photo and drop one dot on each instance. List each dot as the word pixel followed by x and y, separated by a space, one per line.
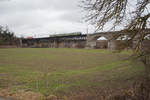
pixel 69 40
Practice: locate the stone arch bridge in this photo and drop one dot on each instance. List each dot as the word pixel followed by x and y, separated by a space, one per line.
pixel 77 40
pixel 70 41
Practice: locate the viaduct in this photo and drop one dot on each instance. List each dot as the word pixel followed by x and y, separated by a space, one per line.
pixel 73 40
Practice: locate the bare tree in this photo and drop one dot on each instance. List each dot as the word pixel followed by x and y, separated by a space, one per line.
pixel 100 12
pixel 132 15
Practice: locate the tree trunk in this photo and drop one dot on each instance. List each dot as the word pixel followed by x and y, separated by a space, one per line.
pixel 147 71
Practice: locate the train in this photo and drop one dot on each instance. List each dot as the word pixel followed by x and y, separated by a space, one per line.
pixel 67 34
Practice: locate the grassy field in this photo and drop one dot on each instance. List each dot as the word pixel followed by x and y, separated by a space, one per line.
pixel 64 71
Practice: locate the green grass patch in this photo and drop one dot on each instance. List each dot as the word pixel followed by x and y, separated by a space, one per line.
pixel 62 71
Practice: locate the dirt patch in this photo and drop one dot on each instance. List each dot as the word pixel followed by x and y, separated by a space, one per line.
pixel 139 91
pixel 21 95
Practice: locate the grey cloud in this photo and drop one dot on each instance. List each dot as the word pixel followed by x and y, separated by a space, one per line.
pixel 4 0
pixel 23 5
pixel 41 16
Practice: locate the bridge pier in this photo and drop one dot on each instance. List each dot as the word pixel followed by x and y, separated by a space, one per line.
pixel 91 44
pixel 111 44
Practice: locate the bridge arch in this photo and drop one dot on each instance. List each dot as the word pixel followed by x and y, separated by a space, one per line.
pixel 102 38
pixel 108 42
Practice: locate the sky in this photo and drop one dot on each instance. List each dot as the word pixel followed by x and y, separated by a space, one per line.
pixel 40 18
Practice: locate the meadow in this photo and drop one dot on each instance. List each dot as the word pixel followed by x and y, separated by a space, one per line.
pixel 62 71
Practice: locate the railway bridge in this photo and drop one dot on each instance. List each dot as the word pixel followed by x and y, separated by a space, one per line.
pixel 75 40
pixel 72 40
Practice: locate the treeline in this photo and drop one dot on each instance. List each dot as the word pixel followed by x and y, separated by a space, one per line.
pixel 7 37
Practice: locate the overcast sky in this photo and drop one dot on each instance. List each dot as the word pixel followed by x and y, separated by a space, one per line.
pixel 42 17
